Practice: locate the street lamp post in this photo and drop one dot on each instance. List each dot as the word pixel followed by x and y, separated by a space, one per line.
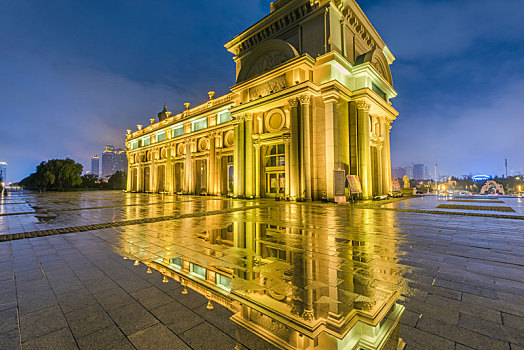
pixel 436 180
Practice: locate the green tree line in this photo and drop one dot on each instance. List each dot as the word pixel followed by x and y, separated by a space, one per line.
pixel 66 175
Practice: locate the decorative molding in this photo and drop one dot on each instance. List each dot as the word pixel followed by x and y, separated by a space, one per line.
pixel 269 87
pixel 305 99
pixel 363 105
pixel 293 102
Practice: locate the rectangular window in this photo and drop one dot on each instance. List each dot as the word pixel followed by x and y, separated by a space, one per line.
pixel 178 131
pixel 161 137
pixel 134 145
pixel 224 117
pixel 177 262
pixel 276 156
pixel 223 281
pixel 146 141
pixel 379 91
pixel 197 270
pixel 199 124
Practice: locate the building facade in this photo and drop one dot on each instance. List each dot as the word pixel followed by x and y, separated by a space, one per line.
pixel 311 102
pixel 95 165
pixel 3 172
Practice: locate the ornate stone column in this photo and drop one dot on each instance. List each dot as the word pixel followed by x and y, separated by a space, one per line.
pixel 257 168
pixel 331 141
pixel 364 148
pixel 212 174
pixel 287 167
pixel 380 169
pixel 386 157
pixel 306 147
pixel 294 150
pixel 239 157
pixel 188 167
pixel 249 173
pixel 129 172
pixel 218 184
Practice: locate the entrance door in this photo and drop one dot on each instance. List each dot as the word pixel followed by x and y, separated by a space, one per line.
pixel 275 162
pixel 275 183
pixel 230 178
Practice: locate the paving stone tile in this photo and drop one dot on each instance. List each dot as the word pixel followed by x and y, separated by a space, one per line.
pixel 107 338
pixel 10 340
pixel 157 337
pixel 132 318
pixel 206 337
pixel 41 322
pixel 192 299
pixel 114 298
pixel 419 339
pixel 219 317
pixel 177 317
pixel 88 320
pixel 8 320
pixel 75 300
pixel 513 321
pixel 460 335
pixel 131 285
pixel 61 339
pixel 152 297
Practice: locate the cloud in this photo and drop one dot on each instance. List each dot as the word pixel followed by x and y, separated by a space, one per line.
pixel 464 138
pixel 417 30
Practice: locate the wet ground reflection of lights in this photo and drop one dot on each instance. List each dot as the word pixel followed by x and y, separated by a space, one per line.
pixel 295 274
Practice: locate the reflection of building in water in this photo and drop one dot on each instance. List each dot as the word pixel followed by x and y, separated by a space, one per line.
pixel 312 95
pixel 296 289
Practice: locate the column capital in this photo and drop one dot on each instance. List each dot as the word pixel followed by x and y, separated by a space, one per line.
pixel 361 104
pixel 305 99
pixel 293 103
pixel 286 138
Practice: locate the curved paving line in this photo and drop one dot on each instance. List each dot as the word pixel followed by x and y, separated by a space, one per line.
pixel 74 229
pixel 440 212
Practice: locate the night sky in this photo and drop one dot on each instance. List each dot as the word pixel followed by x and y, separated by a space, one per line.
pixel 74 75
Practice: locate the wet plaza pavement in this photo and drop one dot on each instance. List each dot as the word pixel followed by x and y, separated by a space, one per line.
pixel 289 272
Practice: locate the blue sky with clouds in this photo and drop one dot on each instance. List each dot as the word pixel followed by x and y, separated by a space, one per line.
pixel 74 75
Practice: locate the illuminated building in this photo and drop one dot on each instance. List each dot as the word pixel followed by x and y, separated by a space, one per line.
pixel 95 165
pixel 419 172
pixel 108 160
pixel 311 101
pixel 113 160
pixel 3 172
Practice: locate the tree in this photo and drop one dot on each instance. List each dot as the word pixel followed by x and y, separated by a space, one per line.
pixel 55 174
pixel 90 181
pixel 118 181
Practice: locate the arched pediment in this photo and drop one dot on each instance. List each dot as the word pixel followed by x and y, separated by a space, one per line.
pixel 266 56
pixel 377 59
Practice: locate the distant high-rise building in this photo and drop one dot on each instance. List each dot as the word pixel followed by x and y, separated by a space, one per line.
pixel 398 172
pixel 108 161
pixel 418 172
pixel 95 165
pixel 3 172
pixel 120 160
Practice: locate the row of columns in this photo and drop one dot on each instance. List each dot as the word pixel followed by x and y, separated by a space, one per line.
pixel 298 154
pixel 213 181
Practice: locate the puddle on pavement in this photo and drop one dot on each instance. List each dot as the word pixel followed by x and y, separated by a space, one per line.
pixel 45 217
pixel 293 288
